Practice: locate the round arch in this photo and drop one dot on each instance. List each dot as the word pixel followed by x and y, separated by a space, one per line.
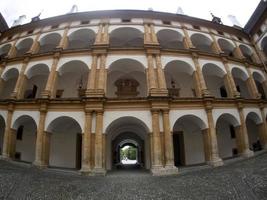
pixel 227 137
pixel 188 140
pixel 81 38
pixel 201 42
pixel 23 145
pixel 255 137
pixel 246 51
pixel 179 78
pixel 263 45
pixel 10 79
pixel 126 37
pixel 226 46
pixel 49 42
pixel 126 78
pixel 259 81
pixel 72 79
pixel 5 49
pixel 214 78
pixel 65 138
pixel 170 39
pixel 24 46
pixel 125 129
pixel 2 132
pixel 240 78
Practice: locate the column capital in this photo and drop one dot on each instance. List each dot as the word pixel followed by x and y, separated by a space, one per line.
pixel 10 107
pixel 195 55
pixel 56 55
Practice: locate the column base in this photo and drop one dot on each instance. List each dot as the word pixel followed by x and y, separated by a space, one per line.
pixel 5 157
pixel 155 92
pixel 247 153
pixel 98 172
pixel 39 164
pixel 85 170
pixel 98 93
pixel 216 162
pixel 163 171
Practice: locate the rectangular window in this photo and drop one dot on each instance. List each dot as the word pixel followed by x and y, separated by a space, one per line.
pixel 166 22
pixel 220 32
pixel 196 27
pixel 126 20
pixel 85 22
pixel 54 26
pixel 20 133
pixel 30 32
pixel 232 131
pixel 259 32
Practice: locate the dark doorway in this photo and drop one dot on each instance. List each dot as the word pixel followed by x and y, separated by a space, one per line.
pixel 178 146
pixel 78 150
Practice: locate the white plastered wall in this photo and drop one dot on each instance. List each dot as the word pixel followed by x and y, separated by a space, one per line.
pixel 202 62
pixel 112 58
pixel 159 28
pixel 114 27
pixel 92 28
pixel 35 115
pixel 110 116
pixel 85 59
pixel 31 64
pixel 166 59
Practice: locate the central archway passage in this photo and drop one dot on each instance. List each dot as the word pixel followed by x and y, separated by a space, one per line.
pixel 127 131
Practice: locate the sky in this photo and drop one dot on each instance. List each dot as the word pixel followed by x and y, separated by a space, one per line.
pixel 242 9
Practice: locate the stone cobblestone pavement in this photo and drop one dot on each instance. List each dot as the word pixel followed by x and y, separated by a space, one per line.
pixel 246 180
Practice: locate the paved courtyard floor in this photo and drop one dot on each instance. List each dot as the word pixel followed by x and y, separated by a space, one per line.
pixel 246 180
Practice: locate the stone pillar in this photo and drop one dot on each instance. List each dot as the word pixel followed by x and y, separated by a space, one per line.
pixel 168 141
pixel 105 37
pixel 99 34
pixel 51 81
pixel 46 148
pixel 86 160
pixel 237 52
pixel 215 46
pixel 200 79
pixel 206 140
pixel 153 34
pixel 229 80
pixel 39 159
pixel 161 76
pixel 147 35
pixel 263 128
pixel 99 169
pixel 187 41
pixel 91 82
pixel 13 50
pixel 252 85
pixel 20 84
pixel 64 40
pixel 151 73
pixel 102 76
pixel 6 142
pixel 214 159
pixel 12 142
pixel 2 67
pixel 238 134
pixel 197 86
pixel 35 46
pixel 242 131
pixel 157 159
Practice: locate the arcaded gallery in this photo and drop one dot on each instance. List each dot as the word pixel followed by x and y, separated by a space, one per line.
pixel 77 88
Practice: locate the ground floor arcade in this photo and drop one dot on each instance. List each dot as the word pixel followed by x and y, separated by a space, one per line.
pixel 163 139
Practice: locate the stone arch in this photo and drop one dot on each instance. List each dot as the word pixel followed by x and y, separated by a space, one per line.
pixel 24 46
pixel 125 128
pixel 246 51
pixel 72 79
pixel 49 42
pixel 81 38
pixel 201 42
pixel 64 134
pixel 36 78
pixel 214 78
pixel 2 132
pixel 22 143
pixel 259 81
pixel 170 39
pixel 5 49
pixel 227 136
pixel 241 81
pixel 263 45
pixel 179 78
pixel 132 74
pixel 226 46
pixel 126 37
pixel 188 130
pixel 253 124
pixel 9 80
